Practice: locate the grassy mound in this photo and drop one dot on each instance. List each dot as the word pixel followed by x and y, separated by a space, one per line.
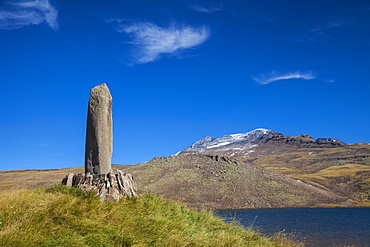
pixel 62 216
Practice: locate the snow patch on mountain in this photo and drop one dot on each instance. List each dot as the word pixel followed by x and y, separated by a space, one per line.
pixel 218 145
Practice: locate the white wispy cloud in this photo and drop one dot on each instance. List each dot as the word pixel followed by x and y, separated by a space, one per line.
pixel 329 25
pixel 324 31
pixel 264 79
pixel 203 9
pixel 330 29
pixel 151 41
pixel 19 14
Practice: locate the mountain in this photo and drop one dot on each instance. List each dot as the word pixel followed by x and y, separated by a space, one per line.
pixel 245 144
pixel 327 162
pixel 215 182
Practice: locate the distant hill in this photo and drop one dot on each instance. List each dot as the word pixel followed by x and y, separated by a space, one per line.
pixel 207 181
pixel 330 163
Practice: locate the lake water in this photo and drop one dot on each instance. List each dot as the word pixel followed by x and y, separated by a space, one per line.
pixel 316 226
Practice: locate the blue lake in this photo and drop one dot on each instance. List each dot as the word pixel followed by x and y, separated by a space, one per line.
pixel 315 226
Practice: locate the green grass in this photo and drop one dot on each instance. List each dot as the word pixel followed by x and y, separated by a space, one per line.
pixel 62 216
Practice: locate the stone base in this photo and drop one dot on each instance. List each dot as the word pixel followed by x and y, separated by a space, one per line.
pixel 109 187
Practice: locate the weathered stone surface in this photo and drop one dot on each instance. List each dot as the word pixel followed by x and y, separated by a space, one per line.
pixel 98 152
pixel 69 180
pixel 110 187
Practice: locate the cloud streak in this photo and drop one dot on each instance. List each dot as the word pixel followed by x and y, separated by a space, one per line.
pixel 324 31
pixel 264 79
pixel 207 10
pixel 151 42
pixel 24 13
pixel 330 25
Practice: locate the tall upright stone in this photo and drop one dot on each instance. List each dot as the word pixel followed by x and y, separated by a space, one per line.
pixel 98 152
pixel 99 177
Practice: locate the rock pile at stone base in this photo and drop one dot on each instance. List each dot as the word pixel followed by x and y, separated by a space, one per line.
pixel 110 187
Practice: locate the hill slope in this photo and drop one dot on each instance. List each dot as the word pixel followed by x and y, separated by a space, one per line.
pixel 62 216
pixel 325 162
pixel 221 183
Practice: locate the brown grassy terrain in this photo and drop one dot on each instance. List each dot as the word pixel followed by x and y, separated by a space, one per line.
pixel 30 179
pixel 221 183
pixel 342 169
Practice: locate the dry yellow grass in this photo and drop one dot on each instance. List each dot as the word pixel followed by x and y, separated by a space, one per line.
pixel 282 169
pixel 63 216
pixel 344 170
pixel 30 179
pixel 336 171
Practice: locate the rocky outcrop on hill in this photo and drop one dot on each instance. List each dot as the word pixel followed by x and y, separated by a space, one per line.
pixel 330 141
pixel 305 141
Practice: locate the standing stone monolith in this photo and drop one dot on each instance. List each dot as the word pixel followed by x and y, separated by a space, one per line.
pixel 98 150
pixel 99 177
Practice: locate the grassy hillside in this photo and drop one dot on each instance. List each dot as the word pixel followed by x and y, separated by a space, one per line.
pixel 62 216
pixel 343 169
pixel 221 183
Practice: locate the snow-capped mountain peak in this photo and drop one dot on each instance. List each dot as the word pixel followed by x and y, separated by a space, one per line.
pixel 240 139
pixel 253 143
pixel 203 142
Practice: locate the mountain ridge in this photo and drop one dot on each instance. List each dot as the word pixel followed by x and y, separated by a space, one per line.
pixel 331 163
pixel 250 139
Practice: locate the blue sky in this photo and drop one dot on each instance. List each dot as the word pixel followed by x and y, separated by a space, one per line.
pixel 178 71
